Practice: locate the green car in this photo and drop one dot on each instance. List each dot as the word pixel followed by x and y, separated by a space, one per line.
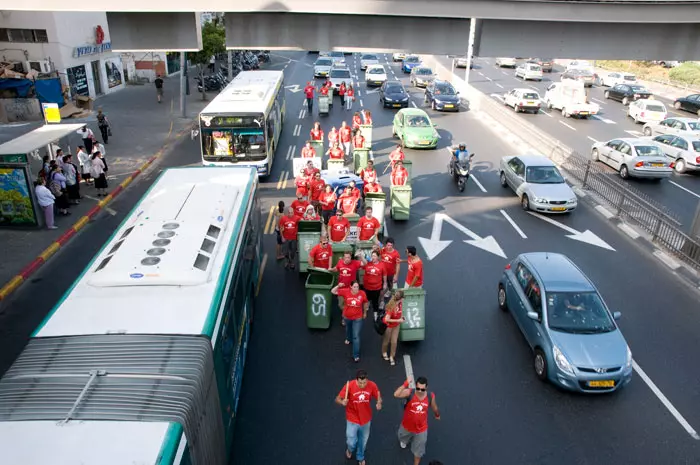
pixel 414 128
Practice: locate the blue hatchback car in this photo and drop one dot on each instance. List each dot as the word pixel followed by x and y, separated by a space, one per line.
pixel 410 62
pixel 575 340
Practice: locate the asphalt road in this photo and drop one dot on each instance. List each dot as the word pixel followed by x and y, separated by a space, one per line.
pixel 680 193
pixel 493 408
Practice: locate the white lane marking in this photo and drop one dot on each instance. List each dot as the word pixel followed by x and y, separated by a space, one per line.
pixel 628 230
pixel 504 73
pixel 676 414
pixel 499 85
pixel 414 104
pixel 605 212
pixel 301 113
pixel 604 120
pixel 545 113
pixel 491 80
pixel 362 103
pixel 592 139
pixel 685 189
pixel 568 125
pixel 289 153
pixel 512 223
pixel 285 66
pixel 359 92
pixel 578 192
pixel 533 87
pixel 635 133
pixel 599 101
pixel 498 97
pixel 297 130
pixel 480 73
pixel 409 370
pixel 478 184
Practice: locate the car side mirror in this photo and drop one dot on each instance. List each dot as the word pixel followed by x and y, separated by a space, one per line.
pixel 533 316
pixel 471 156
pixel 617 315
pixel 457 92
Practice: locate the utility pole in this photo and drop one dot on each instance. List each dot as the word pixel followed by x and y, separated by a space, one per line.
pixel 183 84
pixel 470 47
pixel 230 65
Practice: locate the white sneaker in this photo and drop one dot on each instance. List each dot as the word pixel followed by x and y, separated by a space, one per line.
pixel 403 445
pixel 52 227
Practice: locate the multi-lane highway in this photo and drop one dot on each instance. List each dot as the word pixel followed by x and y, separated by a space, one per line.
pixel 680 194
pixel 494 410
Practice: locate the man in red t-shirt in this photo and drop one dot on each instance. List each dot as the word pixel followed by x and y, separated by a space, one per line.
pixel 308 151
pixel 374 280
pixel 368 174
pixel 358 141
pixel 355 396
pixel 309 92
pixel 347 201
pixel 399 175
pixel 316 188
pixel 288 226
pixel 311 170
pixel 299 205
pixel 327 201
pixel 391 259
pixel 414 425
pixel 354 312
pixel 368 226
pixel 347 269
pixel 414 278
pixel 338 226
pixel 345 135
pixel 372 188
pixel 320 255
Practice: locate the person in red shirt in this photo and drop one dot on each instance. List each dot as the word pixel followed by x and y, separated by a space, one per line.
pixel 299 205
pixel 320 255
pixel 316 188
pixel 288 226
pixel 310 214
pixel 302 184
pixel 354 311
pixel 335 152
pixel 349 97
pixel 399 175
pixel 345 137
pixel 354 190
pixel 339 226
pixel 368 173
pixel 333 136
pixel 372 188
pixel 395 155
pixel 414 425
pixel 374 280
pixel 316 133
pixel 356 121
pixel 391 259
pixel 393 317
pixel 355 396
pixel 369 226
pixel 308 151
pixel 324 90
pixel 347 268
pixel 414 278
pixel 327 201
pixel 367 117
pixel 341 91
pixel 358 141
pixel 347 201
pixel 309 92
pixel 311 171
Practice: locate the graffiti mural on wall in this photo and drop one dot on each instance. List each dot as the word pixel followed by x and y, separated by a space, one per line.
pixel 114 74
pixel 19 110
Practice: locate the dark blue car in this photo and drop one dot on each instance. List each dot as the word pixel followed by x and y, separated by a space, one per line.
pixel 441 96
pixel 409 63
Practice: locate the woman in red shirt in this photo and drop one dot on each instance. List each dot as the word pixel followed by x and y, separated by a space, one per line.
pixel 327 200
pixel 308 151
pixel 310 214
pixel 358 141
pixel 393 317
pixel 347 201
pixel 354 311
pixel 356 121
pixel 399 175
pixel 367 117
pixel 374 280
pixel 333 136
pixel 349 97
pixel 302 183
pixel 317 133
pixel 335 152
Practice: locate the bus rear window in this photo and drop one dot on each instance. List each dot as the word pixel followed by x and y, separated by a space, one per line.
pixel 233 143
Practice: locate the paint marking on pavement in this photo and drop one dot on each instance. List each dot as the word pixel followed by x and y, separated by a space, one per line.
pixel 359 92
pixel 281 181
pixel 499 85
pixel 269 227
pixel 604 211
pixel 297 130
pixel 286 178
pixel 667 403
pixel 480 73
pixel 409 370
pixel 489 78
pixel 545 113
pixel 301 113
pixel 478 184
pixel 628 230
pixel 579 192
pixel 634 133
pixel 568 125
pixel 361 103
pixel 289 152
pixel 414 104
pixel 512 223
pixel 533 87
pixel 105 208
pixel 592 139
pixel 685 189
pixel 170 131
pixel 599 101
pixel 604 120
pixel 504 72
pixel 260 276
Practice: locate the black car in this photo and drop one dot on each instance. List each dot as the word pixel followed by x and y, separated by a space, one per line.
pixel 393 94
pixel 547 64
pixel 581 75
pixel 690 103
pixel 627 93
pixel 441 96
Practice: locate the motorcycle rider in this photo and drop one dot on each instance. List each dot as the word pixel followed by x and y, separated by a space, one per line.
pixel 461 153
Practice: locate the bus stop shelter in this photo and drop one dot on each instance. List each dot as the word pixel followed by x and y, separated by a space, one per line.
pixel 20 162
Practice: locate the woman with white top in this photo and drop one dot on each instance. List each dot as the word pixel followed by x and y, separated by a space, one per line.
pixel 97 170
pixel 84 160
pixel 46 200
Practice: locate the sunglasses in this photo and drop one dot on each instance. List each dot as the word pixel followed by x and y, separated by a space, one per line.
pixel 421 389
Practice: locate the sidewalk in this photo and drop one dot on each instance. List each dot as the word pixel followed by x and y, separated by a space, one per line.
pixel 140 129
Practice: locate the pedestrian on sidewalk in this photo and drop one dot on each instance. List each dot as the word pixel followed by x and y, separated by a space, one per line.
pixel 355 396
pixel 349 98
pixel 88 138
pixel 393 317
pixel 70 171
pixel 277 215
pixel 46 201
pixel 97 170
pixel 57 186
pixel 354 311
pixel 103 124
pixel 414 425
pixel 159 88
pixel 85 163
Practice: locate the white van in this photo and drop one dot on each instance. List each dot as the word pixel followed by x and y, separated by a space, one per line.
pixel 570 97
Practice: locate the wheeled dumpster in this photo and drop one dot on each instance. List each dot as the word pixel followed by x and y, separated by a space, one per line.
pixel 360 157
pixel 413 329
pixel 367 134
pixel 408 164
pixel 318 147
pixel 400 207
pixel 319 300
pixel 339 249
pixel 308 235
pixel 376 200
pixel 324 104
pixel 354 233
pixel 364 247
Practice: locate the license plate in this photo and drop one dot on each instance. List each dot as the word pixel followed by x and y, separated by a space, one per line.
pixel 603 383
pixel 449 106
pixel 584 113
pixel 396 105
pixel 530 103
pixel 657 165
pixel 558 209
pixel 425 142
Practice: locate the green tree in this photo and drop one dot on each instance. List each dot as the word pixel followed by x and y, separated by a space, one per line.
pixel 213 43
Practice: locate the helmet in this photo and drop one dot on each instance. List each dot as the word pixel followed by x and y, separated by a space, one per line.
pixel 462 146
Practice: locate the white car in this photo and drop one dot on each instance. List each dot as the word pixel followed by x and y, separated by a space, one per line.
pixel 645 111
pixel 580 64
pixel 462 62
pixel 338 58
pixel 368 59
pixel 683 150
pixel 613 79
pixel 640 158
pixel 375 75
pixel 529 71
pixel 523 100
pixel 322 66
pixel 338 75
pixel 503 62
pixel 399 56
pixel 676 126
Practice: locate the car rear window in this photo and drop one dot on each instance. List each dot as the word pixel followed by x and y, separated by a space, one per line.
pixel 535 68
pixel 658 108
pixel 369 57
pixel 424 71
pixel 340 73
pixel 531 96
pixel 694 126
pixel 696 145
pixel 324 62
pixel 639 89
pixel 630 77
pixel 376 71
pixel 394 89
pixel 338 54
pixel 648 151
pixel 411 60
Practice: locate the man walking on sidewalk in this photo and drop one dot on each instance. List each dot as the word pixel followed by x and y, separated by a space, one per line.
pixel 414 425
pixel 355 396
pixel 159 87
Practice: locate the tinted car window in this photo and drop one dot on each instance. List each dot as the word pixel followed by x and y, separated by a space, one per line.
pixel 543 175
pixel 340 73
pixel 424 71
pixel 648 150
pixel 696 145
pixel 638 89
pixel 531 96
pixel 652 107
pixel 369 57
pixel 523 275
pixel 694 126
pixel 534 295
pixel 679 143
pixel 412 59
pixel 376 71
pixel 394 89
pixel 444 89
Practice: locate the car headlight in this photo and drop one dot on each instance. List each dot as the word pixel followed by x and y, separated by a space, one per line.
pixel 572 200
pixel 539 200
pixel 388 99
pixel 404 99
pixel 562 362
pixel 629 358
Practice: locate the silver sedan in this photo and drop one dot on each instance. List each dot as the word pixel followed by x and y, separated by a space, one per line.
pixel 675 126
pixel 538 183
pixel 683 150
pixel 633 157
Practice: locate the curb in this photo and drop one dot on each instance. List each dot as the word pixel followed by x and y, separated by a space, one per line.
pixel 44 256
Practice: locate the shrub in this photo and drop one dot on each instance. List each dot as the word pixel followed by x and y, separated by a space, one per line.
pixel 687 73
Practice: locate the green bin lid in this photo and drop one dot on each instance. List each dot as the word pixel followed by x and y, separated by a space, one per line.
pixel 310 226
pixel 319 270
pixel 375 195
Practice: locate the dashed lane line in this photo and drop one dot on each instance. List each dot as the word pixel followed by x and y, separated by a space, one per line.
pixel 685 189
pixel 512 223
pixel 499 85
pixel 478 184
pixel 592 139
pixel 545 113
pixel 568 125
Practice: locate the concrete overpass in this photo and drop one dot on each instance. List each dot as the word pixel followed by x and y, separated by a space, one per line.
pixel 632 29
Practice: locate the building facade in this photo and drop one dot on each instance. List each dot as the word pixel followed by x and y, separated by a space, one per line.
pixel 75 44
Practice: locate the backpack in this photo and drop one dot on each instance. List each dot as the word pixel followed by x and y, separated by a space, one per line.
pixel 379 324
pixel 55 187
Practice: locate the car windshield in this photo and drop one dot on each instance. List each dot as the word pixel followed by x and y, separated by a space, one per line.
pixel 411 60
pixel 648 151
pixel 638 89
pixel 395 89
pixel 424 71
pixel 543 175
pixel 630 77
pixel 693 125
pixel 578 313
pixel 583 72
pixel 233 144
pixel 376 71
pixel 324 62
pixel 696 145
pixel 337 55
pixel 656 107
pixel 444 89
pixel 340 74
pixel 531 96
pixel 417 121
pixel 369 57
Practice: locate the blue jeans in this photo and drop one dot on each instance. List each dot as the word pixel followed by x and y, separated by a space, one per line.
pixel 352 333
pixel 357 436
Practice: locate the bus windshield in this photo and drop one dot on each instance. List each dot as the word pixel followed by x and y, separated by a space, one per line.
pixel 233 144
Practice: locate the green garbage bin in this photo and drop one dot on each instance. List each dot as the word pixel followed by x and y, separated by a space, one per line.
pixel 376 200
pixel 413 329
pixel 401 202
pixel 367 134
pixel 318 147
pixel 308 235
pixel 360 157
pixel 408 164
pixel 339 249
pixel 354 233
pixel 319 300
pixel 335 165
pixel 366 248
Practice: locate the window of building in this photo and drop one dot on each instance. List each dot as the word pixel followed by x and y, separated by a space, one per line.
pixel 24 35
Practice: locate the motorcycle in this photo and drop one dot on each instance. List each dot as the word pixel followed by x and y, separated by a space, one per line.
pixel 459 170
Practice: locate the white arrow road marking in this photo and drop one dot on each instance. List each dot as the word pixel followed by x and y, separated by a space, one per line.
pixel 434 245
pixel 295 88
pixel 599 101
pixel 586 236
pixel 497 96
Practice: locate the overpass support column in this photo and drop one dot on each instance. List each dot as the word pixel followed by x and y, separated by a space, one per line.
pixel 183 84
pixel 474 24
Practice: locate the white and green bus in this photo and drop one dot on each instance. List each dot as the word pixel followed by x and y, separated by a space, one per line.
pixel 141 361
pixel 243 124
